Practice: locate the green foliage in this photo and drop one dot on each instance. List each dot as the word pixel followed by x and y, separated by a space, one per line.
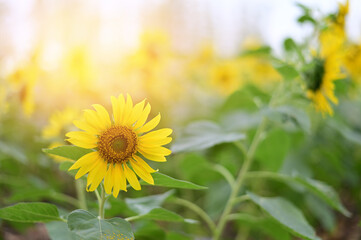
pixel 202 135
pixel 86 225
pixel 71 152
pixel 286 214
pixel 163 180
pixel 30 212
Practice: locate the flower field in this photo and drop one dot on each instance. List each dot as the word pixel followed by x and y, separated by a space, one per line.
pixel 135 136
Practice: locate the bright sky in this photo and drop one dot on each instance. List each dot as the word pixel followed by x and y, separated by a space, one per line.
pixel 113 26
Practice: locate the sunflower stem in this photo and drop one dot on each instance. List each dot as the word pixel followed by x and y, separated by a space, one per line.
pixel 197 210
pixel 239 181
pixel 101 201
pixel 80 192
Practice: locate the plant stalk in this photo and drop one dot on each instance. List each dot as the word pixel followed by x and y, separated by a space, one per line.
pixel 239 181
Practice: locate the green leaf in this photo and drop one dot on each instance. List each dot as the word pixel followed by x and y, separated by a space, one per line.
pixel 263 50
pixel 323 191
pixel 163 180
pixel 202 135
pixel 88 226
pixel 161 214
pixel 60 231
pixel 272 151
pixel 30 212
pixel 287 71
pixel 143 205
pixel 290 114
pixel 71 152
pixel 286 214
pixel 289 44
pixel 320 189
pixel 177 236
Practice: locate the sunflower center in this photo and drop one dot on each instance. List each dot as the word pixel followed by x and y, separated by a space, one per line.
pixel 117 144
pixel 314 74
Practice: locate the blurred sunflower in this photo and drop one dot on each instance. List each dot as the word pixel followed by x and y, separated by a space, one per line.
pixel 117 142
pixel 225 76
pixel 320 76
pixel 60 122
pixel 352 62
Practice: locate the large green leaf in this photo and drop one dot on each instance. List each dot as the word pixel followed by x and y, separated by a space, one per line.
pixel 290 115
pixel 161 214
pixel 287 71
pixel 60 231
pixel 272 151
pixel 202 135
pixel 163 180
pixel 143 205
pixel 71 152
pixel 30 212
pixel 321 189
pixel 88 226
pixel 286 214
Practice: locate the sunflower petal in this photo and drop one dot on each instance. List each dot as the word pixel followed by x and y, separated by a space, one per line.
pixel 82 139
pixel 136 112
pixel 103 115
pixel 156 151
pixel 143 117
pixel 97 175
pixel 83 125
pixel 131 177
pixel 119 180
pixel 108 180
pixel 116 109
pixel 127 109
pixel 141 172
pixel 157 134
pixel 152 142
pixel 142 163
pixel 87 159
pixel 150 125
pixel 156 158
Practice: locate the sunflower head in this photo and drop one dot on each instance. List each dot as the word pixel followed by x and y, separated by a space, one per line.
pixel 119 143
pixel 314 73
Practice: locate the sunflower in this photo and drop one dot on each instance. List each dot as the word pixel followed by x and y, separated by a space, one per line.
pixel 118 144
pixel 320 76
pixel 225 76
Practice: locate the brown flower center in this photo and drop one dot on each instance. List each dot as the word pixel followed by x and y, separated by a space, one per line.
pixel 117 144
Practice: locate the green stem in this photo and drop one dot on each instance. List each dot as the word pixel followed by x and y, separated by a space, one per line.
pixel 80 192
pixel 65 198
pixel 241 198
pixel 101 201
pixel 129 219
pixel 225 173
pixel 239 181
pixel 197 210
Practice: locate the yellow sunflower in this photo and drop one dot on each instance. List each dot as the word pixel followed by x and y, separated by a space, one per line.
pixel 320 82
pixel 117 143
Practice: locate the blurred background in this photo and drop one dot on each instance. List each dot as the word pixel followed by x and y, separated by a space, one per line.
pixel 191 59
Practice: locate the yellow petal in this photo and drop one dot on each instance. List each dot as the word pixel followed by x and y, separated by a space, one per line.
pixel 150 125
pixel 127 109
pixel 136 112
pixel 116 109
pixel 151 142
pixel 121 107
pixel 86 168
pixel 91 117
pixel 141 172
pixel 82 139
pixel 143 117
pixel 108 180
pixel 156 151
pixel 156 158
pixel 119 180
pixel 102 115
pixel 131 177
pixel 87 159
pixel 83 125
pixel 145 165
pixel 161 133
pixel 96 175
